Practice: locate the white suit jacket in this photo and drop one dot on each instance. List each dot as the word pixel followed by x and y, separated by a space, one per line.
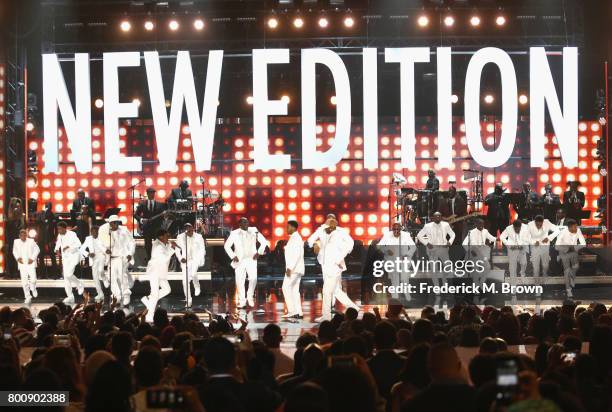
pixel 94 246
pixel 404 241
pixel 548 231
pixel 334 247
pixel 318 235
pixel 26 250
pixel 244 243
pixel 160 259
pixel 196 250
pixel 436 234
pixel 566 239
pixel 510 238
pixel 123 243
pixel 71 240
pixel 294 254
pixel 477 237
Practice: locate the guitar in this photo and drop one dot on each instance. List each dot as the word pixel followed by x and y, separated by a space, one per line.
pixel 454 218
pixel 145 222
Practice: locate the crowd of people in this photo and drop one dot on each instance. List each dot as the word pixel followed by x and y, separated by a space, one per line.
pixel 110 361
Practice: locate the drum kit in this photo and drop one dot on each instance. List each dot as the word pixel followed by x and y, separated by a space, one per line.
pixel 204 211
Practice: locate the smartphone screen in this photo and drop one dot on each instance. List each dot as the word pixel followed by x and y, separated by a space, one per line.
pixel 507 381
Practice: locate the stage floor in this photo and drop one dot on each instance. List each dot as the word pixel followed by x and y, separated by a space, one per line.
pixel 219 297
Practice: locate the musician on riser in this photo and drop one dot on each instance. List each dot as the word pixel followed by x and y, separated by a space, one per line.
pixel 149 215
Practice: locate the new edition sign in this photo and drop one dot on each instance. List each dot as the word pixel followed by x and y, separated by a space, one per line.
pixel 77 119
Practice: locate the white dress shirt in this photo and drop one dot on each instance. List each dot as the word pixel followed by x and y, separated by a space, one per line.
pixel 245 243
pixel 122 242
pixel 71 240
pixel 26 250
pixel 334 247
pixel 196 249
pixel 567 238
pixel 95 246
pixel 510 238
pixel 477 237
pixel 547 231
pixel 160 259
pixel 294 254
pixel 389 239
pixel 436 234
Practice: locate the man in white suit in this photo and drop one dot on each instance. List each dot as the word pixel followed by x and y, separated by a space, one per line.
pixel 437 236
pixel 25 251
pixel 541 233
pixel 93 249
pixel 294 262
pixel 335 246
pixel 68 245
pixel 397 243
pixel 190 251
pixel 516 238
pixel 477 244
pixel 569 242
pixel 157 271
pixel 120 247
pixel 241 247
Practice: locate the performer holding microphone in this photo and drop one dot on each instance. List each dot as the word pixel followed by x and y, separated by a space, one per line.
pixel 241 247
pixel 68 245
pixel 93 249
pixel 191 252
pixel 294 262
pixel 25 251
pixel 120 247
pixel 157 271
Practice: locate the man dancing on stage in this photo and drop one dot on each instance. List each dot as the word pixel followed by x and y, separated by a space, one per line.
pixel 437 236
pixel 541 233
pixel 477 244
pixel 68 245
pixel 294 262
pixel 335 246
pixel 120 247
pixel 157 272
pixel 93 249
pixel 25 251
pixel 397 243
pixel 569 242
pixel 244 257
pixel 191 252
pixel 516 238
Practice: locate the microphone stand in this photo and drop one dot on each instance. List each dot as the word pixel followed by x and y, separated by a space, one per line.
pixel 133 190
pixel 187 286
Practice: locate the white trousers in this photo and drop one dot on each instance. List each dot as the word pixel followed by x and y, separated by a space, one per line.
pixel 516 257
pixel 291 292
pixel 70 280
pixel 479 253
pixel 98 274
pixel 332 278
pixel 28 279
pixel 540 255
pixel 190 270
pixel 160 288
pixel 439 253
pixel 120 286
pixel 246 269
pixel 570 267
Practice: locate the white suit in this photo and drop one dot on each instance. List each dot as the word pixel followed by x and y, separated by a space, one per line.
pixel 121 244
pixel 517 244
pixel 157 272
pixel 317 235
pixel 244 243
pixel 439 235
pixel 27 250
pixel 97 262
pixel 568 244
pixel 294 261
pixel 69 245
pixel 475 245
pixel 335 246
pixel 540 253
pixel 393 247
pixel 193 250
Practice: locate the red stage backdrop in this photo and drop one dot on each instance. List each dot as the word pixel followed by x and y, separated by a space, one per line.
pixel 358 196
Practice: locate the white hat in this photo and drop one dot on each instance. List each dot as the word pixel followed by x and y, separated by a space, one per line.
pixel 113 218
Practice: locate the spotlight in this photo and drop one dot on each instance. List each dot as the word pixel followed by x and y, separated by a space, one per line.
pixel 173 25
pixel 489 99
pixel 423 21
pixel 323 22
pixel 500 20
pixel 149 25
pixel 285 99
pixel 332 100
pixel 349 21
pixel 32 233
pixel 449 21
pixel 198 24
pixel 454 98
pixel 475 21
pixel 523 99
pixel 99 103
pixel 298 22
pixel 272 22
pixel 249 99
pixel 125 25
pixel 29 126
pixel 136 101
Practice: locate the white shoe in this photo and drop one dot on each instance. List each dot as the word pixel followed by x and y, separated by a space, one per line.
pixel 80 289
pixel 126 300
pixel 196 291
pixel 69 300
pixel 34 292
pixel 145 301
pixel 106 282
pixel 99 298
pixel 286 315
pixel 27 301
pixel 251 302
pixel 149 318
pixel 320 319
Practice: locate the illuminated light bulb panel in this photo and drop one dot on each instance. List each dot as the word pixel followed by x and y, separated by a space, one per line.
pixel 359 197
pixel 2 161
